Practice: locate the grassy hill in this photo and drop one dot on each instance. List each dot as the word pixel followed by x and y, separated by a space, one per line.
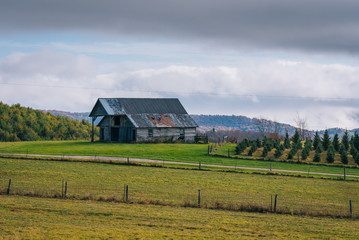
pixel 191 153
pixel 26 124
pixel 178 187
pixel 163 201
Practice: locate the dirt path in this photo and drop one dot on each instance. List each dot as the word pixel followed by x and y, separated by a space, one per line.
pixel 121 159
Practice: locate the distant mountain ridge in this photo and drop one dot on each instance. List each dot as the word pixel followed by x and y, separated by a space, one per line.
pixel 221 123
pixel 73 115
pixel 233 122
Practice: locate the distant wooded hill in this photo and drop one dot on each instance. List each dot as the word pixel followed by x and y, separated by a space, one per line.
pixel 227 123
pixel 26 124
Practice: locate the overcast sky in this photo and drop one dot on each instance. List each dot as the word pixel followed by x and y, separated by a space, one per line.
pixel 260 58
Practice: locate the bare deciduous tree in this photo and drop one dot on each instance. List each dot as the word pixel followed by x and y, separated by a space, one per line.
pixel 302 125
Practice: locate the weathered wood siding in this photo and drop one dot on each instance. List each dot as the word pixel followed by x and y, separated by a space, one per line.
pixel 166 135
pixel 117 129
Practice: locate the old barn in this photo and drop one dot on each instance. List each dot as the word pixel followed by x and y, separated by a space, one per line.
pixel 142 120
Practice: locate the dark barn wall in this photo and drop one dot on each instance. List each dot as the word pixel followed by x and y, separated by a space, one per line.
pixel 118 129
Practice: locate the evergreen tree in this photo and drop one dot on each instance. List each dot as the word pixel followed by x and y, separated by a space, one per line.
pixel 279 151
pixel 290 155
pixel 286 141
pixel 305 153
pixel 345 140
pixel 308 144
pixel 296 140
pixel 356 156
pixel 351 141
pixel 292 151
pixel 252 149
pixel 317 156
pixel 343 155
pixel 316 141
pixel 352 148
pixel 336 144
pixel 326 140
pixel 320 147
pixel 330 154
pixel 265 150
pixel 258 142
pixel 241 146
pixel 356 141
pixel 307 148
pixel 281 147
pixel 276 143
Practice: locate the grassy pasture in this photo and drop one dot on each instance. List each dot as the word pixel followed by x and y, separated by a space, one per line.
pixel 175 152
pixel 178 187
pixel 37 218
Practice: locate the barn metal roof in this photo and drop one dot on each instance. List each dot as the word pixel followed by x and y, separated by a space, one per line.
pixel 145 112
pixel 174 120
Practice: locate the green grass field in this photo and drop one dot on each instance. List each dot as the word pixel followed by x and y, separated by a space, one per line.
pixel 178 186
pixel 175 152
pixel 39 218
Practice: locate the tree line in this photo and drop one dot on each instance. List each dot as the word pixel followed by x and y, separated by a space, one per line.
pixel 19 123
pixel 342 146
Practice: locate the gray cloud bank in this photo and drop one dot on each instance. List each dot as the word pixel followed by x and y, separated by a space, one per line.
pixel 65 81
pixel 306 25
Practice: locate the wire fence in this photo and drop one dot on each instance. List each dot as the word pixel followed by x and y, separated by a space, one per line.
pixel 140 193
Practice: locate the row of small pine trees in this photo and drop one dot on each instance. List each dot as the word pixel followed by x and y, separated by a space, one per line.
pixel 317 144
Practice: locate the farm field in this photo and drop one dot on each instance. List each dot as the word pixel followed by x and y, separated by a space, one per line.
pixel 179 187
pixel 192 153
pixel 34 218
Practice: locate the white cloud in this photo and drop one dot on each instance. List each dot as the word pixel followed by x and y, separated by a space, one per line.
pixel 275 89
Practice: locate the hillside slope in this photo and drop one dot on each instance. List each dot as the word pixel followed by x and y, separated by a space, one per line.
pixel 26 124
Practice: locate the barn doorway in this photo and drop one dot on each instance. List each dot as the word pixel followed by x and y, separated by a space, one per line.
pixel 115 134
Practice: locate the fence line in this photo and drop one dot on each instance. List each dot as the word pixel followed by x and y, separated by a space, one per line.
pixel 131 193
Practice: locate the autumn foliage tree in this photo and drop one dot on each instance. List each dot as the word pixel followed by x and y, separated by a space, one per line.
pixel 26 124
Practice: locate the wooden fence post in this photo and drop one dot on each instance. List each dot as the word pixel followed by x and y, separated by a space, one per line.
pixel 128 160
pixel 62 189
pixel 126 193
pixel 199 165
pixel 350 207
pixel 65 188
pixel 8 188
pixel 275 203
pixel 199 198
